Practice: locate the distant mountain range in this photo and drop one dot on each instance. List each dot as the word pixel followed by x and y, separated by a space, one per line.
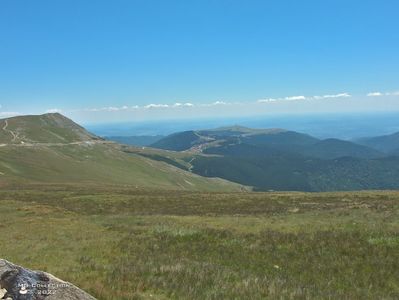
pixel 52 149
pixel 277 159
pixel 140 140
pixel 218 141
pixel 388 144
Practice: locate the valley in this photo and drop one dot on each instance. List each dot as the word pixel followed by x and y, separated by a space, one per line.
pixel 278 159
pixel 199 150
pixel 124 222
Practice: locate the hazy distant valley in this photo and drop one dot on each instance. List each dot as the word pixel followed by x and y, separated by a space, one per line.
pixel 216 159
pixel 279 159
pixel 138 222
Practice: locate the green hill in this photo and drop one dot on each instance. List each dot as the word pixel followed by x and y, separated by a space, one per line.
pixel 281 139
pixel 52 149
pixel 178 141
pixel 203 138
pixel 385 143
pixel 47 128
pixel 277 159
pixel 335 148
pixel 213 141
pixel 295 173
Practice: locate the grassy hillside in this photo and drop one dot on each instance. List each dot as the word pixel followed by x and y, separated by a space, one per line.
pixel 47 128
pixel 52 149
pixel 190 139
pixel 277 139
pixel 179 141
pixel 148 244
pixel 96 164
pixel 130 223
pixel 269 169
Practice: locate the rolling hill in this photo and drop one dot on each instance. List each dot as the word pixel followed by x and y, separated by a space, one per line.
pixel 263 140
pixel 335 148
pixel 51 148
pixel 385 143
pixel 179 141
pixel 47 128
pixel 277 159
pixel 236 134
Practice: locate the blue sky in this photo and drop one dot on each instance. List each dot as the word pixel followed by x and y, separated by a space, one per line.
pixel 101 61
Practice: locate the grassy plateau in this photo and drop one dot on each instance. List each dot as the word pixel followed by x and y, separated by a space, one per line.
pixel 132 243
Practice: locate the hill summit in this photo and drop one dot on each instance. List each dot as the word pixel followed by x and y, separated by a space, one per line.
pixel 53 149
pixel 46 128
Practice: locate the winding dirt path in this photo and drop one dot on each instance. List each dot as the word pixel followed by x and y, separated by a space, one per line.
pixel 30 144
pixel 14 136
pixel 190 168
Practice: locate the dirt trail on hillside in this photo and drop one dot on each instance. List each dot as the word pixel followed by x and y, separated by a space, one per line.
pixel 14 136
pixel 30 144
pixel 190 168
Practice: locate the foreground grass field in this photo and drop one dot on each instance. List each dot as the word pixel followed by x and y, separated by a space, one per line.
pixel 121 243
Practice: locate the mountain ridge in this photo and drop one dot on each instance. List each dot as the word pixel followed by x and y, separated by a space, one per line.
pixel 283 160
pixel 46 128
pixel 386 143
pixel 276 138
pixel 51 148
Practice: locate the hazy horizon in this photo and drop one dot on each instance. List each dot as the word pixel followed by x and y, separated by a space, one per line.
pixel 100 201
pixel 136 61
pixel 344 126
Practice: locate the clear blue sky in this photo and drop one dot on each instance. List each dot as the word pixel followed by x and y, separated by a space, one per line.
pixel 100 59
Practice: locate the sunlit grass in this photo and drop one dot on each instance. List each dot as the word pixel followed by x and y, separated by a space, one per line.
pixel 122 244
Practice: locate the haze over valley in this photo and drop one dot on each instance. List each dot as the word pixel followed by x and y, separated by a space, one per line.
pixel 199 150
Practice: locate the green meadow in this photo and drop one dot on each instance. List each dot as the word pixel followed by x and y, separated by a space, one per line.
pixel 131 243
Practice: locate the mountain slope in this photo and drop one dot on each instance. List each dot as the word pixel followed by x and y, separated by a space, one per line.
pixel 178 141
pixel 293 173
pixel 280 139
pixel 384 143
pixel 236 134
pixel 265 141
pixel 96 164
pixel 72 155
pixel 335 148
pixel 47 128
pixel 284 160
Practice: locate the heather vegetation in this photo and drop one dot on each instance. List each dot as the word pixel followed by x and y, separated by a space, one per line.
pixel 124 243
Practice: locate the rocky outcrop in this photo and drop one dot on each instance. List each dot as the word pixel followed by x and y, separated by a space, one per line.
pixel 18 283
